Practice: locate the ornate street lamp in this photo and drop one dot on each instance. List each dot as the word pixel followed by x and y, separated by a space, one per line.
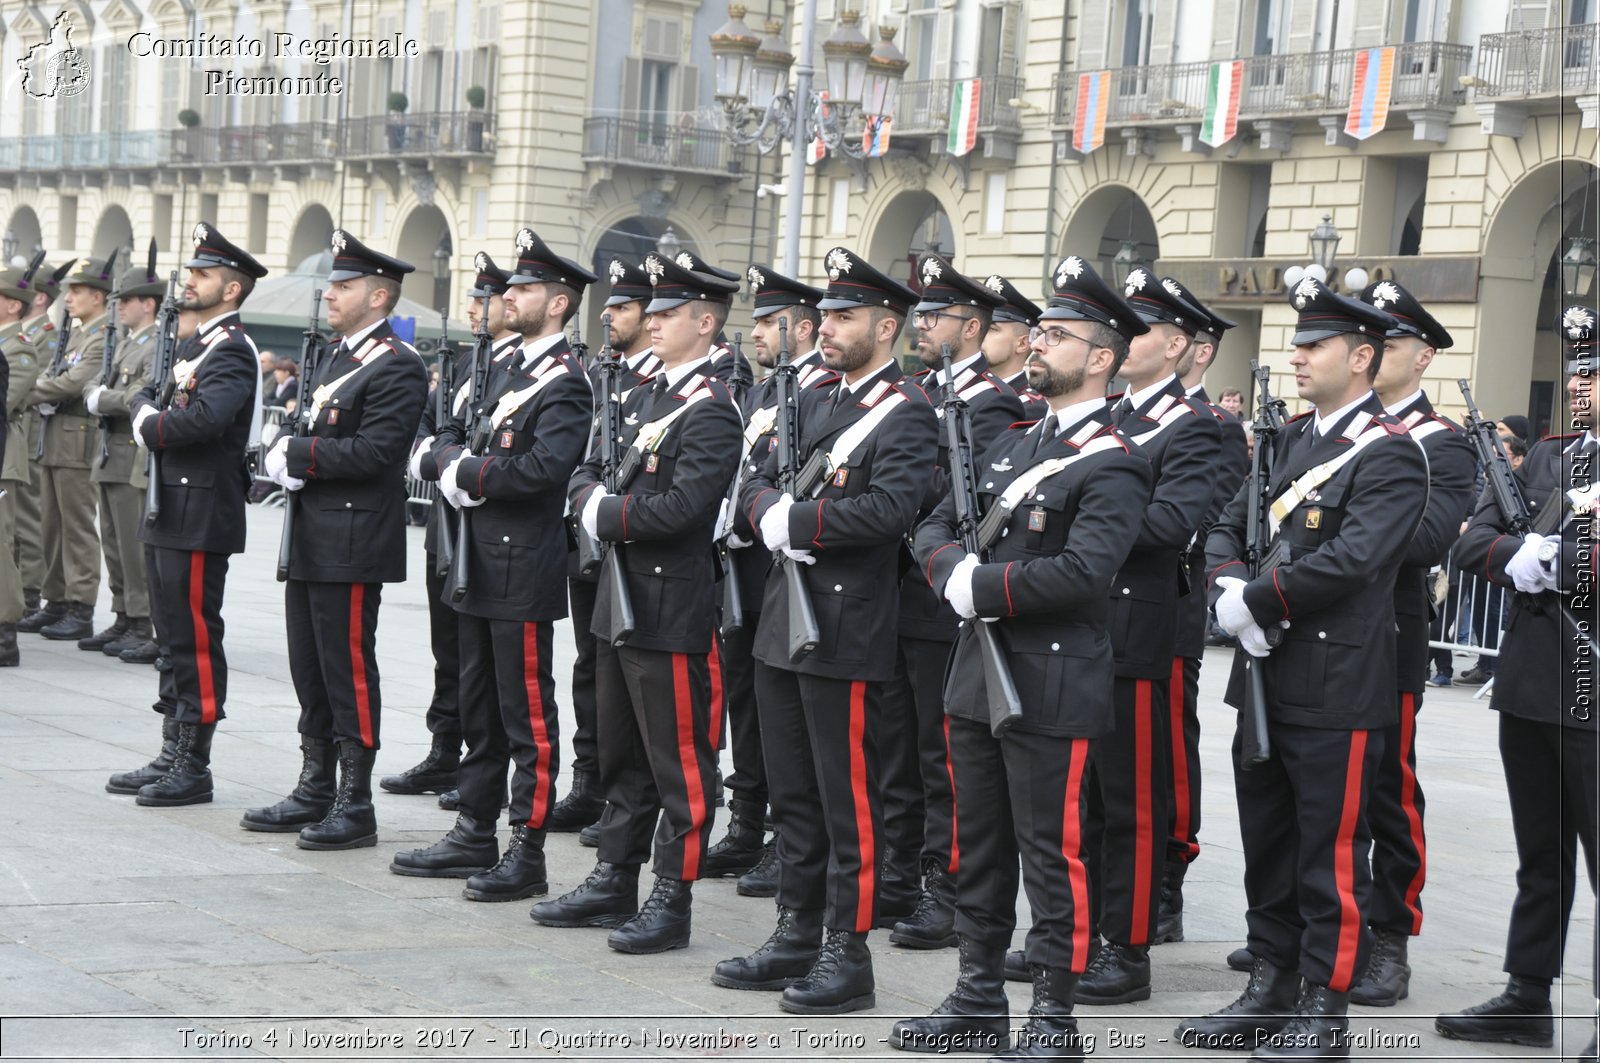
pixel 886 66
pixel 845 54
pixel 733 51
pixel 772 63
pixel 1577 268
pixel 1324 242
pixel 1125 261
pixel 8 245
pixel 668 244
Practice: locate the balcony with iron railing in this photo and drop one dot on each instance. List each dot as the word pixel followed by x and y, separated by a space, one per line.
pixel 653 144
pixel 1427 74
pixel 1559 61
pixel 924 108
pixel 284 143
pixel 428 134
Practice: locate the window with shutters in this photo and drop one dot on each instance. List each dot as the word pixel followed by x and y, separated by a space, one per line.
pixel 483 65
pixel 1138 26
pixel 656 99
pixel 922 39
pixel 488 23
pixel 999 42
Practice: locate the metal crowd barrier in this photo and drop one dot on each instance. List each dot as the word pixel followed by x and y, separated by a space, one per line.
pixel 419 499
pixel 263 491
pixel 1471 616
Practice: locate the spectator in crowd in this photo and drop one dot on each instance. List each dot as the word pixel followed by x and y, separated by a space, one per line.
pixel 1232 400
pixel 285 389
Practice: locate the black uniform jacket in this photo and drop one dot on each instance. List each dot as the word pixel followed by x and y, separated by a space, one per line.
pixel 642 373
pixel 1545 673
pixel 854 527
pixel 202 437
pixel 1181 440
pixel 1335 666
pixel 500 351
pixel 1230 470
pixel 518 558
pixel 754 560
pixel 665 515
pixel 351 524
pixel 992 408
pixel 1048 574
pixel 1452 473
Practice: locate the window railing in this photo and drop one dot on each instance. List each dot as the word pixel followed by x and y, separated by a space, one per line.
pixel 924 107
pixel 429 133
pixel 1560 61
pixel 660 144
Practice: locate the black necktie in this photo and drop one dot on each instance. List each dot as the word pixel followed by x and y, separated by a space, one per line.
pixel 1120 412
pixel 659 388
pixel 1047 432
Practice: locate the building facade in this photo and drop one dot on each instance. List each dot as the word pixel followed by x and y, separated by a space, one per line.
pixel 597 123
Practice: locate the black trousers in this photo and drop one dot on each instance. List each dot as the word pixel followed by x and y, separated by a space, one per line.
pixel 822 771
pixel 510 716
pixel 925 662
pixel 444 709
pixel 1551 781
pixel 1183 733
pixel 658 760
pixel 1307 877
pixel 333 629
pixel 585 744
pixel 748 781
pixel 1127 813
pixel 1020 798
pixel 186 588
pixel 1394 811
pixel 894 740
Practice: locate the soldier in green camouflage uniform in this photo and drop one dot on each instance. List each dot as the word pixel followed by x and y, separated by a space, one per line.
pixel 22 365
pixel 40 333
pixel 71 446
pixel 119 471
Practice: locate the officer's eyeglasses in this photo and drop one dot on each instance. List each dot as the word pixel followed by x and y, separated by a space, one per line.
pixel 929 319
pixel 1054 337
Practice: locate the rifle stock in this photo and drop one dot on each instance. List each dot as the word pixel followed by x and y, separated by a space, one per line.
pixel 457 581
pixel 108 366
pixel 310 349
pixel 161 373
pixel 1255 745
pixel 442 396
pixel 804 635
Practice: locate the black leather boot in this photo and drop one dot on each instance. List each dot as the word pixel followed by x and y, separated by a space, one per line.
pixel 589 837
pixel 1590 1052
pixel 434 775
pixel 975 1017
pixel 1519 1016
pixel 450 800
pixel 840 981
pixel 1242 960
pixel 1017 969
pixel 1386 981
pixel 10 655
pixel 608 897
pixel 1118 974
pixel 131 782
pixel 138 633
pixel 147 652
pixel 933 924
pixel 580 808
pixel 899 890
pixel 76 623
pixel 518 875
pixel 100 638
pixel 761 880
pixel 311 797
pixel 36 621
pixel 1051 1031
pixel 469 848
pixel 30 602
pixel 739 850
pixel 1169 917
pixel 1320 1028
pixel 663 921
pixel 188 781
pixel 1265 1007
pixel 351 822
pixel 782 960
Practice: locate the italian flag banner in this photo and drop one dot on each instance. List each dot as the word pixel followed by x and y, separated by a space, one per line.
pixel 964 96
pixel 1221 120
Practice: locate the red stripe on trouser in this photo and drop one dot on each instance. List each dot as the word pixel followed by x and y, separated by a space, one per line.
pixel 1408 804
pixel 955 844
pixel 1072 850
pixel 1180 756
pixel 865 842
pixel 1143 828
pixel 541 736
pixel 690 763
pixel 1344 858
pixel 202 636
pixel 714 667
pixel 358 663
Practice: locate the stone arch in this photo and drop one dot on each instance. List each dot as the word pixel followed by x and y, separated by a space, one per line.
pixel 113 231
pixel 25 229
pixel 1526 235
pixel 1103 220
pixel 624 232
pixel 310 234
pixel 427 240
pixel 908 224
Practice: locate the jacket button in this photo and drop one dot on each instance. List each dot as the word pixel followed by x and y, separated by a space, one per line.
pixel 658 570
pixel 183 479
pixel 1322 634
pixel 838 588
pixel 1127 590
pixel 988 485
pixel 505 538
pixel 1039 497
pixel 1055 645
pixel 347 505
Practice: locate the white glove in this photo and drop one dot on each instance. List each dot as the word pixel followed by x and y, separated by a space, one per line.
pixel 1527 575
pixel 1233 616
pixel 958 588
pixel 140 416
pixel 590 517
pixel 91 397
pixel 47 409
pixel 737 542
pixel 1253 640
pixel 802 556
pixel 417 452
pixel 775 523
pixel 450 487
pixel 1550 578
pixel 275 464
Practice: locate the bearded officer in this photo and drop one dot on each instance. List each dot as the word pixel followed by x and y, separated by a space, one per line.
pixel 20 363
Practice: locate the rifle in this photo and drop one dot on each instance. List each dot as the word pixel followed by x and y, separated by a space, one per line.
pixel 477 439
pixel 1255 745
pixel 736 381
pixel 310 356
pixel 593 554
pixel 1514 508
pixel 804 634
pixel 166 356
pixel 58 361
pixel 1005 705
pixel 108 360
pixel 732 589
pixel 442 395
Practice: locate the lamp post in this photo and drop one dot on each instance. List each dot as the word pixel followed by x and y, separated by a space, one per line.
pixel 1324 245
pixel 668 245
pixel 759 110
pixel 1125 261
pixel 1577 268
pixel 8 245
pixel 441 274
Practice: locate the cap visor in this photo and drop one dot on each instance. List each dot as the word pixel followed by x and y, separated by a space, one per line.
pixel 659 305
pixel 339 274
pixel 523 278
pixel 618 300
pixel 767 311
pixel 834 303
pixel 1316 334
pixel 1063 313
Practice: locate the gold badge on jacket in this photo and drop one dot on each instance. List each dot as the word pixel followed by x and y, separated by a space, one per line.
pixel 840 477
pixel 1036 520
pixel 652 463
pixel 1313 518
pixel 505 439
